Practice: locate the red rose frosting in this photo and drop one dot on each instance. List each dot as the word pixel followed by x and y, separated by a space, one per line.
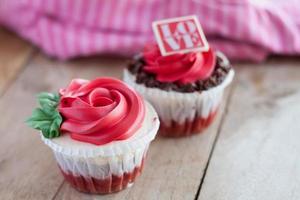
pixel 100 111
pixel 183 68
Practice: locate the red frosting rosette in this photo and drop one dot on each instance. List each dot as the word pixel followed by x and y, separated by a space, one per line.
pixel 182 68
pixel 100 111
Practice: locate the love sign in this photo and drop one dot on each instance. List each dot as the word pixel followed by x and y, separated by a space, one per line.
pixel 179 35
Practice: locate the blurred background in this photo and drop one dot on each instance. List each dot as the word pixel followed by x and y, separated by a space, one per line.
pixel 243 29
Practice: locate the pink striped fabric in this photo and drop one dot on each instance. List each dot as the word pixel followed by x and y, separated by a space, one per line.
pixel 242 29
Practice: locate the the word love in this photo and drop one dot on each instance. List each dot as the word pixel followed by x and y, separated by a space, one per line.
pixel 177 35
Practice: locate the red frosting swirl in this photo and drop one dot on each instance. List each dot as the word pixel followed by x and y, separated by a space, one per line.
pixel 100 111
pixel 182 68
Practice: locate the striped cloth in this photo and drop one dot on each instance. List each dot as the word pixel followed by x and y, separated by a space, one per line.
pixel 242 29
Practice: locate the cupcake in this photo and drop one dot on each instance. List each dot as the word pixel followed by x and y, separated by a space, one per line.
pixel 185 89
pixel 99 132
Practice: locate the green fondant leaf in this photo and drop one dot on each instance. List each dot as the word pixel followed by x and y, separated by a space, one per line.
pixel 50 96
pixel 48 101
pixel 46 118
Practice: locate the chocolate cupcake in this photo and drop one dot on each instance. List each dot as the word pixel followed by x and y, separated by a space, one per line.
pixel 185 89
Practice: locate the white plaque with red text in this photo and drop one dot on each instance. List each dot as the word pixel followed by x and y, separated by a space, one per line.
pixel 179 35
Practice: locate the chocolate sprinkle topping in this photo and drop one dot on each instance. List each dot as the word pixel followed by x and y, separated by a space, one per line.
pixel 135 66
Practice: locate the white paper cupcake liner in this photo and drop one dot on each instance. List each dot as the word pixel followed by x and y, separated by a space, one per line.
pixel 101 168
pixel 115 158
pixel 180 107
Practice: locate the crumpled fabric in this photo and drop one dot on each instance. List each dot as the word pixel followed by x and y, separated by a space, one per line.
pixel 242 29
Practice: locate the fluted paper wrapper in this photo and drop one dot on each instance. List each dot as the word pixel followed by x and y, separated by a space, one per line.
pixel 182 113
pixel 107 168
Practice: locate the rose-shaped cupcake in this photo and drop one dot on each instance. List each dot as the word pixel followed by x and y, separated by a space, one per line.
pixel 99 131
pixel 185 89
pixel 100 111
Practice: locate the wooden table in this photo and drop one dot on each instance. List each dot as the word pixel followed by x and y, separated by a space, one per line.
pixel 252 150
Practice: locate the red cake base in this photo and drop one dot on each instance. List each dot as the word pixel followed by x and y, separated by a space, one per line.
pixel 102 186
pixel 187 128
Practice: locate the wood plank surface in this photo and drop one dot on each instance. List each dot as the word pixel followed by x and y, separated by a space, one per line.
pixel 14 53
pixel 251 152
pixel 27 166
pixel 257 156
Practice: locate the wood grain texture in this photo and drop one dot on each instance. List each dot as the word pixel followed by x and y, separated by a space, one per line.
pixel 173 169
pixel 27 166
pixel 257 154
pixel 14 53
